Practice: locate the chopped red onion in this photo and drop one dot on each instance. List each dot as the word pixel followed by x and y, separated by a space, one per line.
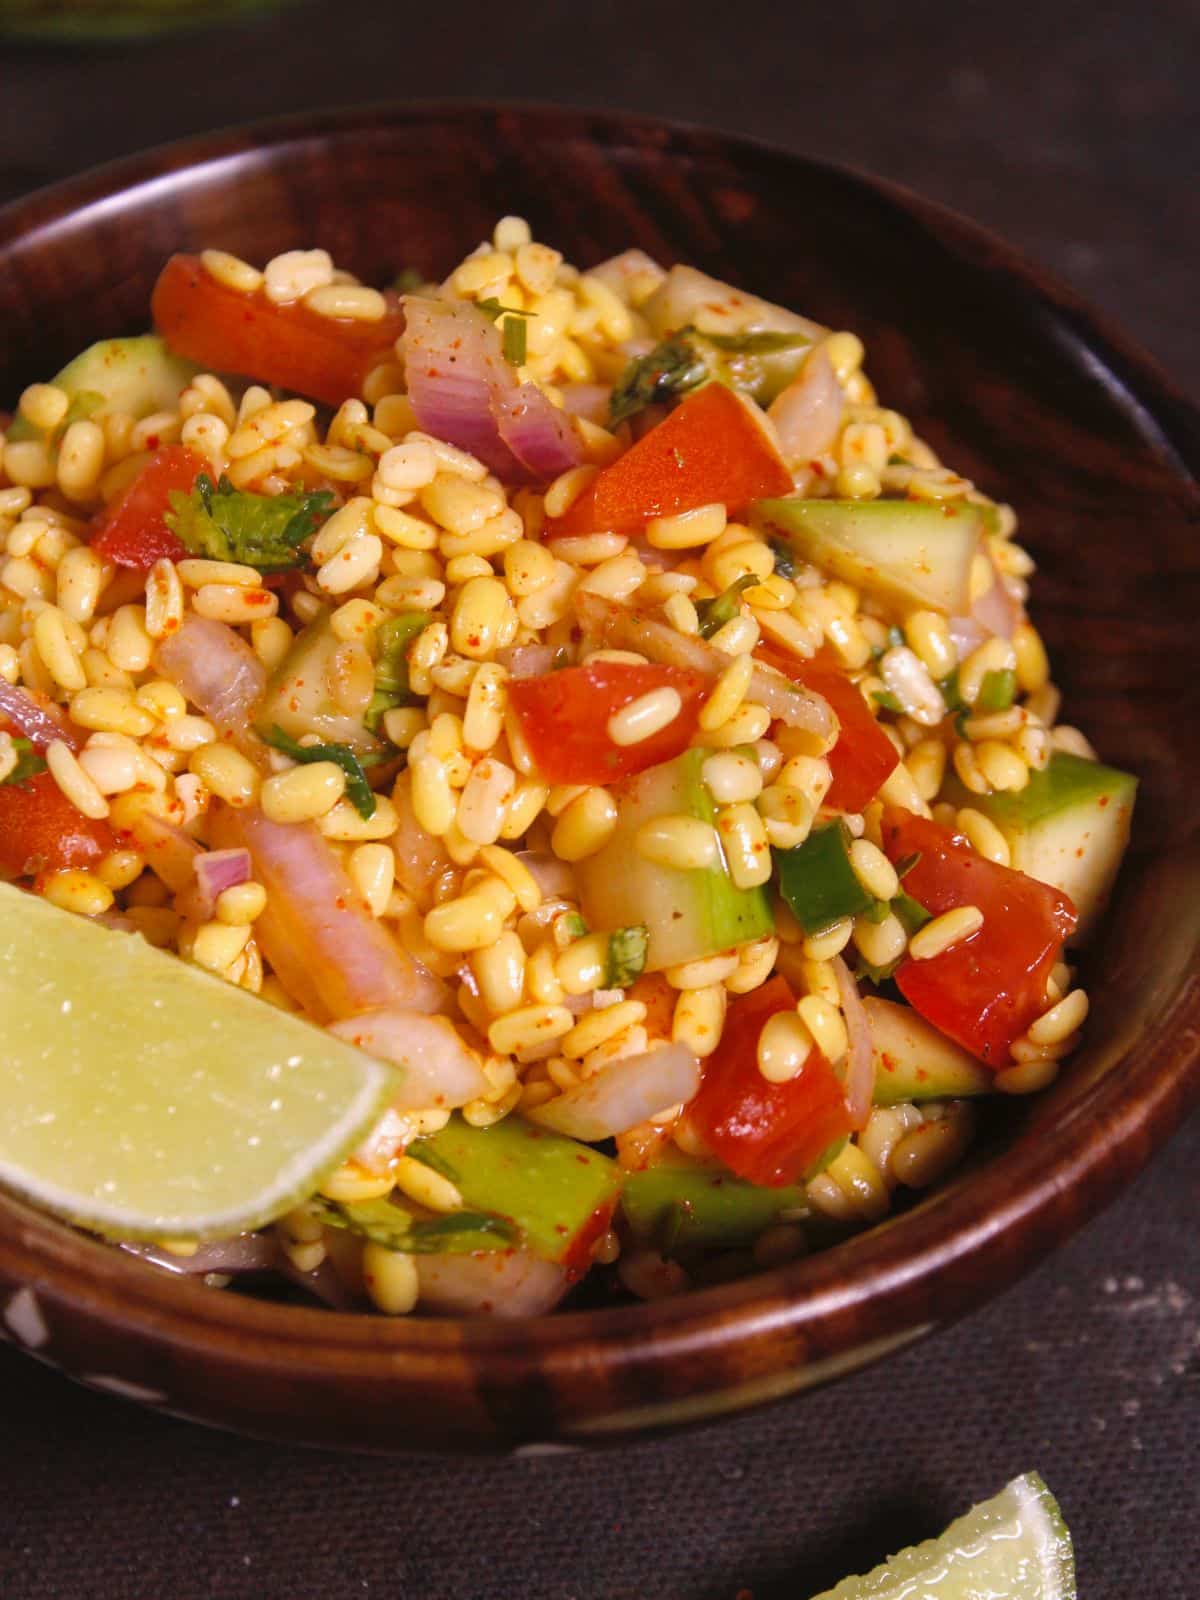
pixel 494 1283
pixel 808 413
pixel 439 1069
pixel 621 1095
pixel 464 391
pixel 218 870
pixel 329 953
pixel 553 877
pixel 42 725
pixel 217 671
pixel 527 660
pixel 245 1252
pixel 588 400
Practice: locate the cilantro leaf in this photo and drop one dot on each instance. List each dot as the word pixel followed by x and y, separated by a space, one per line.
pixel 258 530
pixel 885 700
pixel 358 790
pixel 392 641
pixel 626 956
pixel 785 558
pixel 666 372
pixel 460 1232
pixel 714 614
pixel 29 763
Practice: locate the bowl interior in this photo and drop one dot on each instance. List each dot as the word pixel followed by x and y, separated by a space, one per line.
pixel 1014 384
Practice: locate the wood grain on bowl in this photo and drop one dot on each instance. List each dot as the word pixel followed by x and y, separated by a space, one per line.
pixel 1011 379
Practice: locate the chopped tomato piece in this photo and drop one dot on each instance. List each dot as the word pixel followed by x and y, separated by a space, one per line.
pixel 564 717
pixel 41 831
pixel 225 330
pixel 768 1133
pixel 863 757
pixel 132 532
pixel 985 991
pixel 711 449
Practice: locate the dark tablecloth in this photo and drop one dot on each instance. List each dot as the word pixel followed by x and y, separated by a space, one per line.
pixel 1074 132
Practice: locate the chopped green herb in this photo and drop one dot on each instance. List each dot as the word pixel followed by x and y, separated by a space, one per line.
pixel 574 925
pixel 381 702
pixel 897 461
pixel 714 614
pixel 514 341
pixel 886 700
pixel 912 913
pixel 407 280
pixel 392 641
pixel 29 763
pixel 626 956
pixel 895 638
pixel 879 912
pixel 421 1150
pixel 765 342
pixel 493 308
pixel 949 692
pixel 997 691
pixel 358 790
pixel 666 372
pixel 264 531
pixel 460 1232
pixel 785 559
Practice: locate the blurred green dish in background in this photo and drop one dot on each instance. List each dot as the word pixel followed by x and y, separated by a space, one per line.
pixel 84 21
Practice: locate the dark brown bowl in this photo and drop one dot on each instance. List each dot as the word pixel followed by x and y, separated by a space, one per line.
pixel 1023 389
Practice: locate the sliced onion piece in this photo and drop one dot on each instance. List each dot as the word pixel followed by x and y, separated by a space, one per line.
pixel 440 1070
pixel 543 438
pixel 527 660
pixel 42 725
pixel 218 870
pixel 496 1283
pixel 623 629
pixel 328 952
pixel 623 1094
pixel 246 1252
pixel 808 413
pixel 421 858
pixel 217 671
pixel 860 1060
pixel 453 363
pixel 588 400
pixel 552 876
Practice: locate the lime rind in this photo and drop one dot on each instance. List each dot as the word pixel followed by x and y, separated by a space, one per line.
pixel 142 1098
pixel 1015 1545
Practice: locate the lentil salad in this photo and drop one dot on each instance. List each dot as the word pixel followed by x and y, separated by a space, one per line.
pixel 577 689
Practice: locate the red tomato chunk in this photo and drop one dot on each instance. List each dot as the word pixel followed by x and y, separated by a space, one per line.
pixel 768 1133
pixel 41 831
pixel 711 449
pixel 289 346
pixel 132 532
pixel 985 991
pixel 564 717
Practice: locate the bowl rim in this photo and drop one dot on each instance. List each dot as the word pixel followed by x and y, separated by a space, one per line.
pixel 1137 1104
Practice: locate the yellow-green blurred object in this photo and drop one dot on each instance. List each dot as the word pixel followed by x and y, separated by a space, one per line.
pixel 83 21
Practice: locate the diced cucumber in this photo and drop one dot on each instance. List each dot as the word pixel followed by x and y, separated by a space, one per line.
pixel 299 697
pixel 136 376
pixel 906 552
pixel 686 1205
pixel 553 1188
pixel 1068 827
pixel 691 299
pixel 817 880
pixel 913 1061
pixel 687 914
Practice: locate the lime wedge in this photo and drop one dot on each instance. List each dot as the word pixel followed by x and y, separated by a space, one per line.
pixel 1015 1545
pixel 143 1098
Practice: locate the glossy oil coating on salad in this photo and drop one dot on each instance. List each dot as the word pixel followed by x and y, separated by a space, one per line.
pixel 573 688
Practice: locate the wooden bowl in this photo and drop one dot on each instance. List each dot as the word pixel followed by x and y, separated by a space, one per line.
pixel 1019 386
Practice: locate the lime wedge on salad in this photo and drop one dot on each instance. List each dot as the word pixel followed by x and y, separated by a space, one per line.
pixel 1015 1546
pixel 142 1097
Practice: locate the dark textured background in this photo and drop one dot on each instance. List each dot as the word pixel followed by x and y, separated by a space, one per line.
pixel 1073 130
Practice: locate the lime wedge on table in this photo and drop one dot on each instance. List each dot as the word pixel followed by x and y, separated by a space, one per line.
pixel 144 1098
pixel 1012 1547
